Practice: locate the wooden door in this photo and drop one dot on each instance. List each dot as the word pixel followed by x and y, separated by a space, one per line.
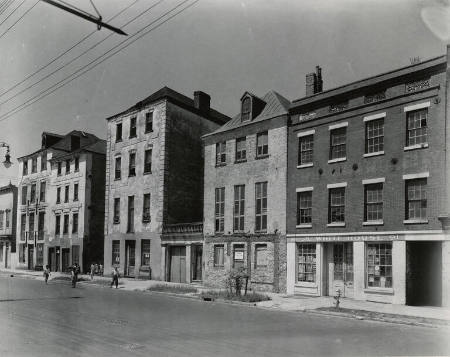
pixel 178 264
pixel 343 269
pixel 65 259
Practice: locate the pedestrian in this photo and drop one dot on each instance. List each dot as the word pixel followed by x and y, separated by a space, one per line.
pixel 75 271
pixel 96 268
pixel 92 271
pixel 115 277
pixel 100 269
pixel 46 273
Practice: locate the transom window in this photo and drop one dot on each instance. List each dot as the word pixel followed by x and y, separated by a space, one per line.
pixel 416 127
pixel 304 207
pixel 239 208
pixel 336 205
pixel 338 143
pixel 305 149
pixel 375 136
pixel 373 201
pixel 132 127
pixel 220 209
pixel 221 156
pixel 261 206
pixel 416 199
pixel 262 144
pixel 241 149
pixel 379 265
pixel 306 262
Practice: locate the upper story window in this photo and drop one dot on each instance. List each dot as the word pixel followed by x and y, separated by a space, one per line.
pixel 66 224
pixel 374 136
pixel 373 202
pixel 304 207
pixel 261 206
pixel 148 161
pixel 221 156
pixel 31 224
pixel 77 164
pixel 58 195
pixel 59 164
pixel 219 255
pixel 118 132
pixel 305 149
pixel 246 109
pixel 8 218
pixel 75 192
pixel 220 210
pixel 416 127
pixel 34 165
pixel 116 218
pixel 146 208
pixel 42 191
pixel 132 127
pixel 262 144
pixel 68 166
pixel 130 226
pixel 66 194
pixel 241 149
pixel 44 162
pixel 416 199
pixel 2 213
pixel 25 168
pixel 336 205
pixel 239 208
pixel 57 224
pixel 338 143
pixel 75 223
pixel 33 193
pixel 132 164
pixel 24 194
pixel 118 168
pixel 148 122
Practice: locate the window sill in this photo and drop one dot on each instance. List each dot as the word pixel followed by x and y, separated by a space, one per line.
pixel 146 221
pixel 260 157
pixel 132 137
pixel 340 159
pixel 311 164
pixel 414 147
pixel 117 178
pixel 220 164
pixel 240 161
pixel 303 226
pixel 148 131
pixel 116 222
pixel 131 175
pixel 373 223
pixel 219 266
pixel 261 232
pixel 147 173
pixel 415 221
pixel 337 224
pixel 370 154
pixel 75 200
pixel 382 291
pixel 305 284
pixel 118 140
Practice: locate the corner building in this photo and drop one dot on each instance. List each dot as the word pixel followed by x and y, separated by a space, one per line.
pixel 154 186
pixel 245 194
pixel 368 188
pixel 8 222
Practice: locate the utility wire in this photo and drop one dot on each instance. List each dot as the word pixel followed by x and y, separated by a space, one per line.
pixel 12 12
pixel 20 18
pixel 58 85
pixel 4 5
pixel 63 53
pixel 80 55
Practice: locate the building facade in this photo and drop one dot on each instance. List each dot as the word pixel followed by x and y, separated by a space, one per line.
pixel 154 186
pixel 245 195
pixel 8 221
pixel 61 202
pixel 367 189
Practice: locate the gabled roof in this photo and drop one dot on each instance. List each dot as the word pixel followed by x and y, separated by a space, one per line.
pixel 276 105
pixel 64 143
pixel 98 147
pixel 176 98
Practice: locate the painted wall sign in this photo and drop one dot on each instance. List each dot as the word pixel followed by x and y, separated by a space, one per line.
pixel 238 255
pixel 361 238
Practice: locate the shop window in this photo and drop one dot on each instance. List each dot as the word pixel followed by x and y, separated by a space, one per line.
pixel 374 136
pixel 241 149
pixel 219 255
pixel 304 207
pixel 336 205
pixel 145 252
pixel 115 252
pixel 338 143
pixel 239 208
pixel 116 210
pixel 262 144
pixel 379 265
pixel 76 254
pixel 305 149
pixel 417 127
pixel 132 127
pixel 416 199
pixel 238 256
pixel 118 132
pixel 261 206
pixel 220 210
pixel 373 202
pixel 221 153
pixel 306 262
pixel 260 255
pixel 148 122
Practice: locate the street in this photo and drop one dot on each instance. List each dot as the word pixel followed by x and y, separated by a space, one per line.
pixel 56 320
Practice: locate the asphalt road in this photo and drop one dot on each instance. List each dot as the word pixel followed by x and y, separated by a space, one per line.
pixel 56 320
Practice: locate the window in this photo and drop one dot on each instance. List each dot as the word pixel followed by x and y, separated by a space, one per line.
pixel 118 132
pixel 23 225
pixel 239 208
pixel 59 164
pixel 241 149
pixel 336 205
pixel 416 199
pixel 22 249
pixel 33 193
pixel 373 202
pixel 306 262
pixel 34 165
pixel 57 224
pixel 66 224
pixel 132 127
pixel 67 167
pixel 221 156
pixel 24 194
pixel 261 206
pixel 42 191
pixel 246 109
pixel 146 208
pixel 40 254
pixel 305 149
pixel 66 194
pixel 416 127
pixel 262 144
pixel 44 162
pixel 304 207
pixel 116 210
pixel 148 122
pixel 77 164
pixel 41 223
pixel 145 252
pixel 31 225
pixel 132 164
pixel 374 136
pixel 75 223
pixel 116 252
pixel 2 217
pixel 25 168
pixel 58 195
pixel 75 192
pixel 260 255
pixel 220 210
pixel 337 143
pixel 379 265
pixel 238 256
pixel 8 218
pixel 118 168
pixel 130 226
pixel 218 255
pixel 148 161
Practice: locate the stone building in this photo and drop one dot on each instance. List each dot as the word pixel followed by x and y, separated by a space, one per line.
pixel 154 186
pixel 61 202
pixel 245 194
pixel 8 221
pixel 368 188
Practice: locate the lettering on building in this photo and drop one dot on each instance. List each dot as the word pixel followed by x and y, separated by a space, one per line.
pixel 374 97
pixel 306 116
pixel 356 238
pixel 417 85
pixel 338 107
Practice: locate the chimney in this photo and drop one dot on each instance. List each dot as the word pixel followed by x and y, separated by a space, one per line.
pixel 314 83
pixel 202 101
pixel 319 83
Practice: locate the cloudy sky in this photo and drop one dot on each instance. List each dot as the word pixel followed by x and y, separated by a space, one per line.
pixel 222 47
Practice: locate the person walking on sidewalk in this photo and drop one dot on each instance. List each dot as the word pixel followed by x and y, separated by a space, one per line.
pixel 46 273
pixel 92 271
pixel 75 271
pixel 115 277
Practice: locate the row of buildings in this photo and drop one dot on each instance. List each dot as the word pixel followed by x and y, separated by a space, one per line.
pixel 341 189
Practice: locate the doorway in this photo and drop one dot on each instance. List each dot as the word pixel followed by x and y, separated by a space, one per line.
pixel 197 262
pixel 6 255
pixel 130 257
pixel 177 264
pixel 53 258
pixel 65 259
pixel 342 269
pixel 30 257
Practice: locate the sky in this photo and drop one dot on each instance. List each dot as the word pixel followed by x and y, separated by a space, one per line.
pixel 222 47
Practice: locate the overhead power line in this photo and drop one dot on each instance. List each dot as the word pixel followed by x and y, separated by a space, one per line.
pixel 4 5
pixel 63 53
pixel 12 12
pixel 20 18
pixel 60 84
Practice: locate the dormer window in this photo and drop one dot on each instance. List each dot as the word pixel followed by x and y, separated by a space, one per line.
pixel 246 109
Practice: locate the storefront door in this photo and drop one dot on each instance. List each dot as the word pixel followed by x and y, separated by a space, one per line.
pixel 343 269
pixel 30 257
pixel 178 264
pixel 197 262
pixel 65 259
pixel 130 257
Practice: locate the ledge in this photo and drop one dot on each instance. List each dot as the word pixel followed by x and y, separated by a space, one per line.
pixel 337 224
pixel 415 147
pixel 260 157
pixel 221 164
pixel 415 221
pixel 240 161
pixel 311 164
pixel 340 159
pixel 374 154
pixel 303 226
pixel 373 223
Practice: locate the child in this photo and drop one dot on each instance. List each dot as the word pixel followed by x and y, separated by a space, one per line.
pixel 46 273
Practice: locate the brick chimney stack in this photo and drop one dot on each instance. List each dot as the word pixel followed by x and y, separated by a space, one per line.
pixel 202 101
pixel 314 82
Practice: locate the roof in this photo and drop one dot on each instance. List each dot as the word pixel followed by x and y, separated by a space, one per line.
pixel 8 188
pixel 176 98
pixel 64 143
pixel 275 105
pixel 97 147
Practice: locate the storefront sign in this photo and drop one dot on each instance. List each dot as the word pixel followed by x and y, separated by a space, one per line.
pixel 362 238
pixel 238 255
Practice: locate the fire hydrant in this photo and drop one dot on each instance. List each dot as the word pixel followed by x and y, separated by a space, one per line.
pixel 337 298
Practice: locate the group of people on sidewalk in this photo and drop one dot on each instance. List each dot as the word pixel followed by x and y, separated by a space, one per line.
pixel 96 269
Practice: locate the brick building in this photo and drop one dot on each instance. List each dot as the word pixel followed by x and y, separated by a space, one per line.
pixel 61 202
pixel 8 221
pixel 154 186
pixel 367 188
pixel 245 194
